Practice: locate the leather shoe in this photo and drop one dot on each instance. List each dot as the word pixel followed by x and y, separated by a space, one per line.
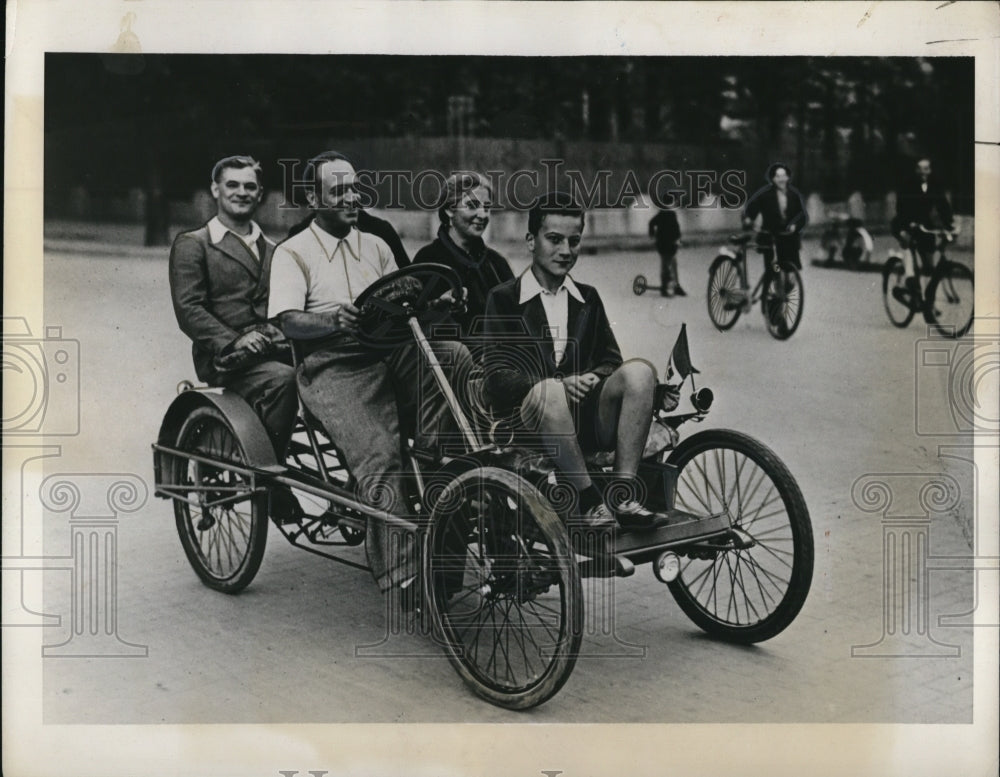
pixel 632 515
pixel 597 518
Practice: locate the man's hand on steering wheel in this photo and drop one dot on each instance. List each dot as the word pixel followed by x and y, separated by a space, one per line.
pixel 345 318
pixel 449 301
pixel 424 291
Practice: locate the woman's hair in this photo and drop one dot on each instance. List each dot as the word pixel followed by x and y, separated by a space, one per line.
pixel 773 170
pixel 456 186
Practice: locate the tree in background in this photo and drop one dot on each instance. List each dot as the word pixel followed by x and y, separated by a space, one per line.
pixel 115 122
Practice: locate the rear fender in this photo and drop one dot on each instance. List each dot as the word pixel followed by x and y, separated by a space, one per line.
pixel 727 251
pixel 247 427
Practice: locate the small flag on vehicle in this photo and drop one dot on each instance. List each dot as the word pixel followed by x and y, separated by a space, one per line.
pixel 680 357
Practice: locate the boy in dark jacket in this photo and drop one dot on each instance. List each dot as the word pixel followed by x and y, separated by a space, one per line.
pixel 553 364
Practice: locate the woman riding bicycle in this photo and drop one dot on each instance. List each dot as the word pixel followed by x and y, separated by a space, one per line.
pixel 783 217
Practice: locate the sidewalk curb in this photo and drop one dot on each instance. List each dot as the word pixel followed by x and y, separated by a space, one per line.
pixel 94 248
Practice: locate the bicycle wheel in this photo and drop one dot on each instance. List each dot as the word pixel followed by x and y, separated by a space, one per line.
pixel 639 285
pixel 951 297
pixel 725 292
pixel 893 273
pixel 504 588
pixel 782 302
pixel 749 587
pixel 225 531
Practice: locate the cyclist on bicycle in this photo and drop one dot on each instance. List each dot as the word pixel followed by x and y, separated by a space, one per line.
pixel 783 217
pixel 920 202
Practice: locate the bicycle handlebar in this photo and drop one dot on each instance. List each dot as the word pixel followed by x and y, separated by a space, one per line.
pixel 950 233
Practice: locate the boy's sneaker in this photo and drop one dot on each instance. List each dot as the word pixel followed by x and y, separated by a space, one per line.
pixel 598 518
pixel 632 515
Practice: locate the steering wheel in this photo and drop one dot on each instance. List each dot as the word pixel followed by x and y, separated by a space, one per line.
pixel 386 305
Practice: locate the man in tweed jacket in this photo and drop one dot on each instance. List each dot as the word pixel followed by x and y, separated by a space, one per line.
pixel 219 280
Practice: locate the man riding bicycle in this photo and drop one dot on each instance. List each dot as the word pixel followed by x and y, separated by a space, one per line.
pixel 921 202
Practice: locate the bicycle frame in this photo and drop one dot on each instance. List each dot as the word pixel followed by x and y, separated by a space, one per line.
pixel 740 255
pixel 913 259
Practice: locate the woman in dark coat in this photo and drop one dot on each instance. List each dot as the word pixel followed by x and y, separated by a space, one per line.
pixel 464 211
pixel 783 215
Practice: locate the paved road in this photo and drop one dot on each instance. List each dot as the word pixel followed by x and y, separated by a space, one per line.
pixel 836 402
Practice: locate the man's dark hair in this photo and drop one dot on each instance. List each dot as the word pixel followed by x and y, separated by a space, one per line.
pixel 237 162
pixel 553 204
pixel 312 165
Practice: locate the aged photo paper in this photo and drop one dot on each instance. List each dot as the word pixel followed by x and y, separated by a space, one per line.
pixel 118 661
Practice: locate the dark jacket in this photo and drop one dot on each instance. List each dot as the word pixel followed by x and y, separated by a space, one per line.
pixel 219 292
pixel 519 349
pixel 915 206
pixel 373 225
pixel 480 270
pixel 383 229
pixel 665 229
pixel 765 202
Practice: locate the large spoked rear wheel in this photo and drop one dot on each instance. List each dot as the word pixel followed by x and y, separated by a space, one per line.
pixel 951 298
pixel 749 587
pixel 725 292
pixel 224 532
pixel 504 588
pixel 782 304
pixel 893 275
